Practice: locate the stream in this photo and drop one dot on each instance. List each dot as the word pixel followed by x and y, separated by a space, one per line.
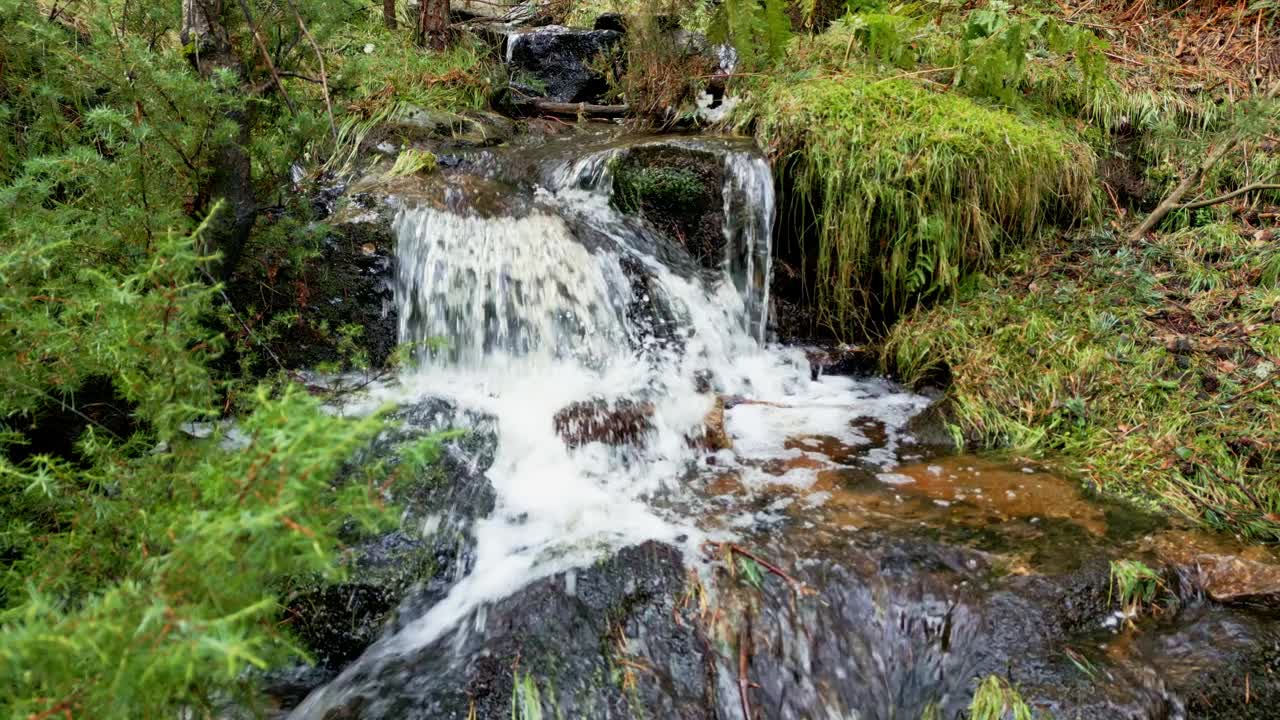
pixel 656 511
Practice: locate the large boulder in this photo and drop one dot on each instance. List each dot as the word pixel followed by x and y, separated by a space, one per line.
pixel 396 574
pixel 562 64
pixel 611 640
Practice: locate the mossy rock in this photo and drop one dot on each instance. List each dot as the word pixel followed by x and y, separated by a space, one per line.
pixel 678 190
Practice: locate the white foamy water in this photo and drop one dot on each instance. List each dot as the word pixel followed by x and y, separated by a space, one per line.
pixel 535 315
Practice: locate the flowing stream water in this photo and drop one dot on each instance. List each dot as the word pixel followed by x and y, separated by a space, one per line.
pixel 565 302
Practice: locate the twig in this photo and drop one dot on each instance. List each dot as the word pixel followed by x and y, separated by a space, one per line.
pixel 795 584
pixel 744 638
pixel 1239 482
pixel 917 72
pixel 1171 202
pixel 1233 194
pixel 1122 58
pixel 324 77
pixel 1114 201
pixel 1250 390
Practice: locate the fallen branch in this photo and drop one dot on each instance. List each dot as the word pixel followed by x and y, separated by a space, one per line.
pixel 577 109
pixel 1233 194
pixel 744 684
pixel 1173 200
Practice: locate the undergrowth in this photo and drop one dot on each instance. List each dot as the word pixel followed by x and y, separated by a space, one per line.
pixel 1151 367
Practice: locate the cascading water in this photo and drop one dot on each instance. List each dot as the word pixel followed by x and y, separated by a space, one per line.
pixel 522 317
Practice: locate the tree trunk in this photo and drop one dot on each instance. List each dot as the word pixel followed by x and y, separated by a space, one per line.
pixel 389 13
pixel 229 180
pixel 433 24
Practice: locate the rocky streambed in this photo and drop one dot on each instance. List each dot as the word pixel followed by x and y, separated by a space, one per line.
pixel 652 510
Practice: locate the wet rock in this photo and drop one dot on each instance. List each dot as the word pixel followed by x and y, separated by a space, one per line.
pixel 395 575
pixel 649 315
pixel 1233 579
pixel 562 64
pixel 841 359
pixel 621 422
pixel 611 640
pixel 347 285
pixel 677 189
pixel 713 437
pixel 442 131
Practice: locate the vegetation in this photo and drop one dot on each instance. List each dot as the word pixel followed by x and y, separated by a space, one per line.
pixel 996 699
pixel 1150 368
pixel 155 498
pixel 979 169
pixel 672 188
pixel 1134 584
pixel 909 189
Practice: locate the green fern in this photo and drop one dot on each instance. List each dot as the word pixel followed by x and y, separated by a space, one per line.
pixel 758 30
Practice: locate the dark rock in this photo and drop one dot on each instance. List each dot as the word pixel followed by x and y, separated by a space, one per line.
pixel 842 359
pixel 677 188
pixel 616 22
pixel 397 575
pixel 442 131
pixel 563 62
pixel 349 284
pixel 611 640
pixel 648 313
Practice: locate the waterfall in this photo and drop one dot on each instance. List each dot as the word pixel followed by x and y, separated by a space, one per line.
pixel 520 317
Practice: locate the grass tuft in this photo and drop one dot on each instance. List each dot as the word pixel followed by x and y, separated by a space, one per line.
pixel 1134 584
pixel 996 699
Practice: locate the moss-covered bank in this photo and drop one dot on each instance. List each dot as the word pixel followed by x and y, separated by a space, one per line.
pixel 905 189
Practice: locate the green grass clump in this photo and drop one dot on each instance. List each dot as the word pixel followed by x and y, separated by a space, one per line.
pixel 1123 361
pixel 1134 584
pixel 412 162
pixel 912 188
pixel 996 699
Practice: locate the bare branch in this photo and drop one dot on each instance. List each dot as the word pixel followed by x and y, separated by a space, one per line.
pixel 1172 200
pixel 1233 194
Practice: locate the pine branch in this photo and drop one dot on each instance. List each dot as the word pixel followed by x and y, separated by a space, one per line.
pixel 266 56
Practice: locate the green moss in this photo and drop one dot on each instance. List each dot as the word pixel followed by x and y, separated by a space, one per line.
pixel 1123 362
pixel 672 188
pixel 912 188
